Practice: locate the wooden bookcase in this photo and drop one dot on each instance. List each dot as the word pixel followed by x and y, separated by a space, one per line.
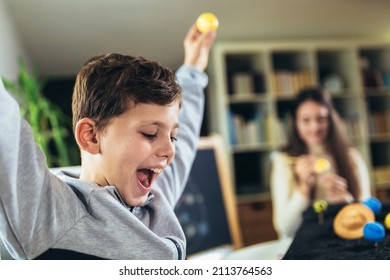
pixel 250 92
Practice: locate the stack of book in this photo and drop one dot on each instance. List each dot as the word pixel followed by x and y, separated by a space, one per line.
pixel 249 131
pixel 288 83
pixel 379 123
pixel 246 83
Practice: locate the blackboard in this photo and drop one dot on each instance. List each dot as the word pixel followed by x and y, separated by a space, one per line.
pixel 207 209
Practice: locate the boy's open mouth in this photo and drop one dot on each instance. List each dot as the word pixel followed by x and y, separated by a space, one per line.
pixel 146 176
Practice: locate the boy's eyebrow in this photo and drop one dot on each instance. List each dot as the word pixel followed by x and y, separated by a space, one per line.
pixel 159 123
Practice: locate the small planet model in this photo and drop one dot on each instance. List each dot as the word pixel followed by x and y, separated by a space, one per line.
pixel 387 221
pixel 350 220
pixel 374 231
pixel 320 206
pixel 374 204
pixel 321 165
pixel 207 21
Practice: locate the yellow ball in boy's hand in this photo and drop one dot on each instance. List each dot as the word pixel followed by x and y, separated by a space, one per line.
pixel 207 21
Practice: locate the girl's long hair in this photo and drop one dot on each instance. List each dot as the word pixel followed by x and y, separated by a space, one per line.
pixel 336 143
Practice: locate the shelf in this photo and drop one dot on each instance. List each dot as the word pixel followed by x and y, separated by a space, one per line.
pixel 250 198
pixel 254 83
pixel 380 137
pixel 362 98
pixel 248 98
pixel 261 147
pixel 376 92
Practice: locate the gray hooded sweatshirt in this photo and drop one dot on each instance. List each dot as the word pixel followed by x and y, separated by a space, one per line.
pixel 47 216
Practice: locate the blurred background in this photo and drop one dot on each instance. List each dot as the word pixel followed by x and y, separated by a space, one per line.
pixel 57 36
pixel 53 38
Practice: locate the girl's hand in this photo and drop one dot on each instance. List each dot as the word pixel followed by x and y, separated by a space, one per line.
pixel 304 170
pixel 334 188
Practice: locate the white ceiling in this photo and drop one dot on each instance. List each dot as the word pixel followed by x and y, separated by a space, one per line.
pixel 59 35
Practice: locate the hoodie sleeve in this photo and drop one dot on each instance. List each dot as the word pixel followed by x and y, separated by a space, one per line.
pixel 173 180
pixel 33 202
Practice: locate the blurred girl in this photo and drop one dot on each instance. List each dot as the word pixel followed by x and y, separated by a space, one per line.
pixel 317 163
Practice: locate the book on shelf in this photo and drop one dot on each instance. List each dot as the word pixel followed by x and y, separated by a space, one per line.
pixel 252 130
pixel 283 125
pixel 352 125
pixel 242 83
pixel 231 128
pixel 246 83
pixel 381 175
pixel 240 129
pixel 379 123
pixel 288 83
pixel 269 126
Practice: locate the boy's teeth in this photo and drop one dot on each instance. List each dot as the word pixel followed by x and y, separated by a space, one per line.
pixel 156 170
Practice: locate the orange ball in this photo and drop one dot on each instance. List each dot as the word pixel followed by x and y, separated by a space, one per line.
pixel 207 21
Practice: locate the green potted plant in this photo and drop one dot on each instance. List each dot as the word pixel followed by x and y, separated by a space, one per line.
pixel 50 126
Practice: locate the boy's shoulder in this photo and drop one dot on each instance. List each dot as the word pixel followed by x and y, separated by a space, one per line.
pixel 82 188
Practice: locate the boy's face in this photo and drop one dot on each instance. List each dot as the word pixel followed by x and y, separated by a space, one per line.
pixel 135 147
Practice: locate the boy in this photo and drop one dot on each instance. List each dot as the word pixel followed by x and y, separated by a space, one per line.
pixel 126 121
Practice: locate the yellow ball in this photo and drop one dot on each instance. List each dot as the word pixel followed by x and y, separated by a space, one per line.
pixel 321 165
pixel 387 221
pixel 207 21
pixel 320 206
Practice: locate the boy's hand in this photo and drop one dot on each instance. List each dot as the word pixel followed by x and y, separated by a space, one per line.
pixel 197 47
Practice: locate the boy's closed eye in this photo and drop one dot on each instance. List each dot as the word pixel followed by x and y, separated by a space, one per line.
pixel 153 136
pixel 149 136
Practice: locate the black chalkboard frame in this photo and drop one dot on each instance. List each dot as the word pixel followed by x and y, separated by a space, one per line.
pixel 224 194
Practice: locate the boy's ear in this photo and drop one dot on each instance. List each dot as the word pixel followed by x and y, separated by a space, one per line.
pixel 86 136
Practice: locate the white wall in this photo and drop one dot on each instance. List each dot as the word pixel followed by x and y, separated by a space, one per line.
pixel 11 47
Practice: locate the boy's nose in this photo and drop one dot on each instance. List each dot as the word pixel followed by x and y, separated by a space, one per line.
pixel 167 149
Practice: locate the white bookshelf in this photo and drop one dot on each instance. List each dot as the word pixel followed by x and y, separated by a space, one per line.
pixel 279 69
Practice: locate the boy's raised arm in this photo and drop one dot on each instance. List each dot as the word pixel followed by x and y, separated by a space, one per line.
pixel 193 80
pixel 24 185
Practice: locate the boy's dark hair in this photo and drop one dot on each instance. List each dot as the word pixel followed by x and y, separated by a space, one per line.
pixel 107 83
pixel 336 142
